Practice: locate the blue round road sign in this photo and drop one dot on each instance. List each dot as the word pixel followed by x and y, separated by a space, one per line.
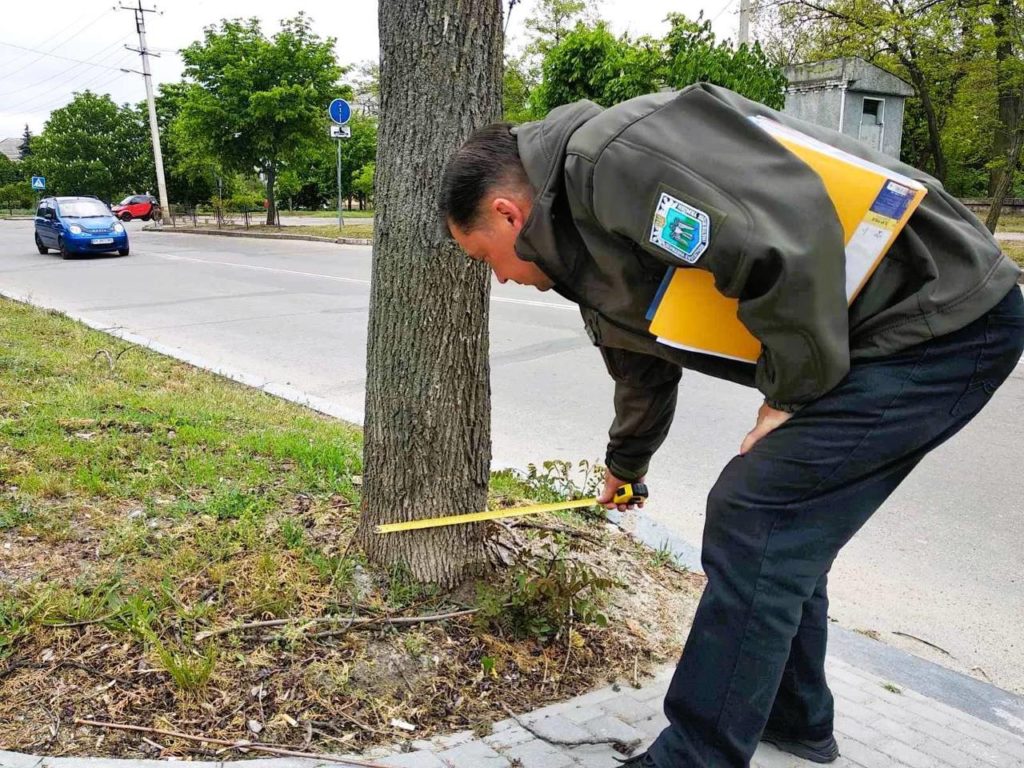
pixel 340 111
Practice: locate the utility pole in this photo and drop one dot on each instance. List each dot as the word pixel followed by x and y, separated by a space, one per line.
pixel 744 36
pixel 154 128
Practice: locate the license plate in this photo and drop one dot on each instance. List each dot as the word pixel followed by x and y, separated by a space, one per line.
pixel 103 241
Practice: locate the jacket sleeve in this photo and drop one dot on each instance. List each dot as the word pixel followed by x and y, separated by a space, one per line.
pixel 645 402
pixel 773 238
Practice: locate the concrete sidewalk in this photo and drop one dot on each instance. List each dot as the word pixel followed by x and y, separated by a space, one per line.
pixel 879 724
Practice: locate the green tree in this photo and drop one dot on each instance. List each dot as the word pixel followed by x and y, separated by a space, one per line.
pixel 17 194
pixel 591 63
pixel 695 56
pixel 517 84
pixel 94 147
pixel 259 103
pixel 10 170
pixel 927 42
pixel 1008 138
pixel 317 168
pixel 553 20
pixel 191 172
pixel 363 182
pixel 25 147
pixel 288 185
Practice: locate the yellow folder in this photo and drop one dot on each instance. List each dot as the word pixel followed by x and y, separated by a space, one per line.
pixel 873 204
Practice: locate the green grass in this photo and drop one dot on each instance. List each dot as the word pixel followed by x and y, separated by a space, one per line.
pixel 154 501
pixel 331 230
pixel 1010 222
pixel 346 214
pixel 1014 249
pixel 320 230
pixel 183 482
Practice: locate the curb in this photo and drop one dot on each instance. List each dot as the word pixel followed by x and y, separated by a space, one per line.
pixel 261 235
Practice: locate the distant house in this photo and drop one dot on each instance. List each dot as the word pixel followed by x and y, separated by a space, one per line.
pixel 9 147
pixel 850 95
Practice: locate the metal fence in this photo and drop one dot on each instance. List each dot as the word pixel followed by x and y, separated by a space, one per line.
pixel 219 217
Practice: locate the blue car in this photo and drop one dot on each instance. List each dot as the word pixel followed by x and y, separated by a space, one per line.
pixel 74 225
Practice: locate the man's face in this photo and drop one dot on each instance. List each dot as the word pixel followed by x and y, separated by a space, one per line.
pixel 493 241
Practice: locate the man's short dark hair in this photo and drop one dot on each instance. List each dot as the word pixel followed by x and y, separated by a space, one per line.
pixel 488 159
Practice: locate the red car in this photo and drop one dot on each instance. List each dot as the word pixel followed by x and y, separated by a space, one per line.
pixel 143 207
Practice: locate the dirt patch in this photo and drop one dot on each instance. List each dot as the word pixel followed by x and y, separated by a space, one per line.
pixel 283 684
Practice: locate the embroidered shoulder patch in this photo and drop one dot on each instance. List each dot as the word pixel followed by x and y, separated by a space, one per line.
pixel 680 229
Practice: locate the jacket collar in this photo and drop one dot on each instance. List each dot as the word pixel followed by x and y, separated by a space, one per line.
pixel 549 238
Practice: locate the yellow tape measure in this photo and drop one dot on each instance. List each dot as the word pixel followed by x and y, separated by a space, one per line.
pixel 630 493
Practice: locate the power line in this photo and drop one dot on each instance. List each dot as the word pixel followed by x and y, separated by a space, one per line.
pixel 725 8
pixel 44 101
pixel 53 55
pixel 65 99
pixel 102 54
pixel 57 42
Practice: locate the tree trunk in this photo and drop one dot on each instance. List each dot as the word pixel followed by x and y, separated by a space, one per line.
pixel 271 206
pixel 934 130
pixel 1002 191
pixel 1007 140
pixel 427 431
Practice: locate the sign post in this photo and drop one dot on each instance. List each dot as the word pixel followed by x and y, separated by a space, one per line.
pixel 340 112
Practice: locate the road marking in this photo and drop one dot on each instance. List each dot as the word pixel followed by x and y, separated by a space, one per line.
pixel 266 269
pixel 359 281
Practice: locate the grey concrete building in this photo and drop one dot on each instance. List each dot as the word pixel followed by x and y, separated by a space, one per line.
pixel 9 147
pixel 852 96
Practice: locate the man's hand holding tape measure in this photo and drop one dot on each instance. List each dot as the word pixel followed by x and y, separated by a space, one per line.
pixel 621 495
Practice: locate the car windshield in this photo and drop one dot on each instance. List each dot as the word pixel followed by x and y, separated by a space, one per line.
pixel 126 201
pixel 81 209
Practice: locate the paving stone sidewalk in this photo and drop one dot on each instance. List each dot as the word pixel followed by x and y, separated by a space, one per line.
pixel 878 725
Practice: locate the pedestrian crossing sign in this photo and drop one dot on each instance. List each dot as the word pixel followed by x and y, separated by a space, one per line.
pixel 38 182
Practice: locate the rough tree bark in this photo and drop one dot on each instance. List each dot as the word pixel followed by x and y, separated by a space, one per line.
pixel 427 431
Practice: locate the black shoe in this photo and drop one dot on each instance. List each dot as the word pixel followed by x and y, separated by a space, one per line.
pixel 643 760
pixel 817 751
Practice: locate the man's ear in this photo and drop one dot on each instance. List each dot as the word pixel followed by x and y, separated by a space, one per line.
pixel 509 210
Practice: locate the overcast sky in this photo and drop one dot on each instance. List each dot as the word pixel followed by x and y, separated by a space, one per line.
pixel 35 79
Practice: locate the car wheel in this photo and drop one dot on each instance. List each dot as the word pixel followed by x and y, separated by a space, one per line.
pixel 63 248
pixel 126 216
pixel 40 247
pixel 122 251
pixel 147 217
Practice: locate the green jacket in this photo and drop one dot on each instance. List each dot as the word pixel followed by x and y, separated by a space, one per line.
pixel 774 242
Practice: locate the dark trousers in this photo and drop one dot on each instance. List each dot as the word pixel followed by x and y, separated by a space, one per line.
pixel 777 518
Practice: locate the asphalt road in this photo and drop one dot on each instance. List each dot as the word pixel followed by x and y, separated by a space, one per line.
pixel 941 562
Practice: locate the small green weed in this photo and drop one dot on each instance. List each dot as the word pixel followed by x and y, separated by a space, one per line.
pixel 404 590
pixel 292 533
pixel 546 592
pixel 14 513
pixel 663 555
pixel 81 604
pixel 189 670
pixel 15 622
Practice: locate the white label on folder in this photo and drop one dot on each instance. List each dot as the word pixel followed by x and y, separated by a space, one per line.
pixel 680 229
pixel 863 250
